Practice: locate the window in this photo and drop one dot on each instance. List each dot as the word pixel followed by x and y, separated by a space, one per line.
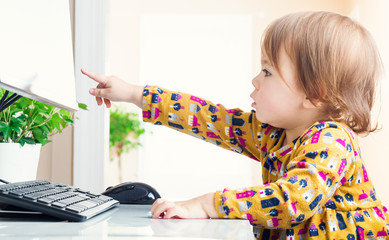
pixel 209 56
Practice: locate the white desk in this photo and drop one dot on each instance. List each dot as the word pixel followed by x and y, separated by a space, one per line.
pixel 125 222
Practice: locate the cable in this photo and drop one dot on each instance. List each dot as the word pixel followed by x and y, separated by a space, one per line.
pixel 5 103
pixel 3 98
pixel 3 181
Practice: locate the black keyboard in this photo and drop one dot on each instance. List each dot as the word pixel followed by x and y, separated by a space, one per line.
pixel 55 199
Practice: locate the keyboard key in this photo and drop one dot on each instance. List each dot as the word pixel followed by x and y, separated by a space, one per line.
pixel 104 198
pixel 45 200
pixel 54 198
pixel 67 194
pixel 71 200
pixel 18 193
pixel 81 191
pixel 75 209
pixel 88 203
pixel 59 205
pixel 79 205
pixel 97 201
pixel 39 188
pixel 34 196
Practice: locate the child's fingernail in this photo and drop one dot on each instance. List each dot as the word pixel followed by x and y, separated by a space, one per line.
pixel 92 91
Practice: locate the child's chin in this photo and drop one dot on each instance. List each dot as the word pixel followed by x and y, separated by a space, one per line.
pixel 259 117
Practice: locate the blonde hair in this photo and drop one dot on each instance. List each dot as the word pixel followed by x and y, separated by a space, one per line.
pixel 336 60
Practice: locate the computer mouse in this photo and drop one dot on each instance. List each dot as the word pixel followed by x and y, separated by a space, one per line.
pixel 133 193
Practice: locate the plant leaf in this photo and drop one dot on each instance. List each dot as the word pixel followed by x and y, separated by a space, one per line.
pixel 27 140
pixel 83 106
pixel 45 141
pixel 38 135
pixel 46 129
pixel 125 129
pixel 6 132
pixel 27 117
pixel 3 126
pixel 70 121
pixel 56 120
pixel 39 120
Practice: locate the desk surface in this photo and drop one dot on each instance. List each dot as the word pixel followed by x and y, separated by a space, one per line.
pixel 125 222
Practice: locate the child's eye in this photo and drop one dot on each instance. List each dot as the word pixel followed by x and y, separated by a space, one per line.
pixel 267 73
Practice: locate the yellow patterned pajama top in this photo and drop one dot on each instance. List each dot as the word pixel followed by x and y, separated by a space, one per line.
pixel 317 187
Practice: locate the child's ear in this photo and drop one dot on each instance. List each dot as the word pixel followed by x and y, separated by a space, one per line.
pixel 311 103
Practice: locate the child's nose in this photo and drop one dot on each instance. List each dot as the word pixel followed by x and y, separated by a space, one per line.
pixel 255 82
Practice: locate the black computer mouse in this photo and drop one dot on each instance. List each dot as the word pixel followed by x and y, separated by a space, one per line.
pixel 133 193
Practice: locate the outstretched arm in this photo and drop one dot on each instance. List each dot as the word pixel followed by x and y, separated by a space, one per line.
pixel 232 129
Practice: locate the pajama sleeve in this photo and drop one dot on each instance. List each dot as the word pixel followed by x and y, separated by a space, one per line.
pixel 231 129
pixel 317 167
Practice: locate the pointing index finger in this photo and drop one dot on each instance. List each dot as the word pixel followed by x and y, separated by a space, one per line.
pixel 95 76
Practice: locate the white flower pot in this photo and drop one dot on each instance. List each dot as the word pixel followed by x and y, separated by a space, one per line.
pixel 19 163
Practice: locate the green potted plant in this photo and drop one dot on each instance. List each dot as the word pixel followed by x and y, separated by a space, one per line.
pixel 25 126
pixel 125 130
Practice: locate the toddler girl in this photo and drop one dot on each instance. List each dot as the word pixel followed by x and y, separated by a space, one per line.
pixel 311 99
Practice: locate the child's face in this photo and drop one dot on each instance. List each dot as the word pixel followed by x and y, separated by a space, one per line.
pixel 278 100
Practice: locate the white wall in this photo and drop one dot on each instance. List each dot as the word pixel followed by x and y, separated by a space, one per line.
pixel 373 14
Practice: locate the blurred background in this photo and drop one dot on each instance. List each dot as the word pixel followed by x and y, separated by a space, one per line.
pixel 210 48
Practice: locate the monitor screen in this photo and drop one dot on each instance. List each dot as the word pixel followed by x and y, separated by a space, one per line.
pixel 36 51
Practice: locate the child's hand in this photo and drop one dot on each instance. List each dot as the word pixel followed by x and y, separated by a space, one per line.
pixel 111 88
pixel 200 207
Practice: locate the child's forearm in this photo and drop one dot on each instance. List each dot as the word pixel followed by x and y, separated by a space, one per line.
pixel 208 205
pixel 227 128
pixel 136 95
pixel 199 207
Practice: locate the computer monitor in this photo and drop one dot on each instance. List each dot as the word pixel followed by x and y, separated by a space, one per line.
pixel 36 51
